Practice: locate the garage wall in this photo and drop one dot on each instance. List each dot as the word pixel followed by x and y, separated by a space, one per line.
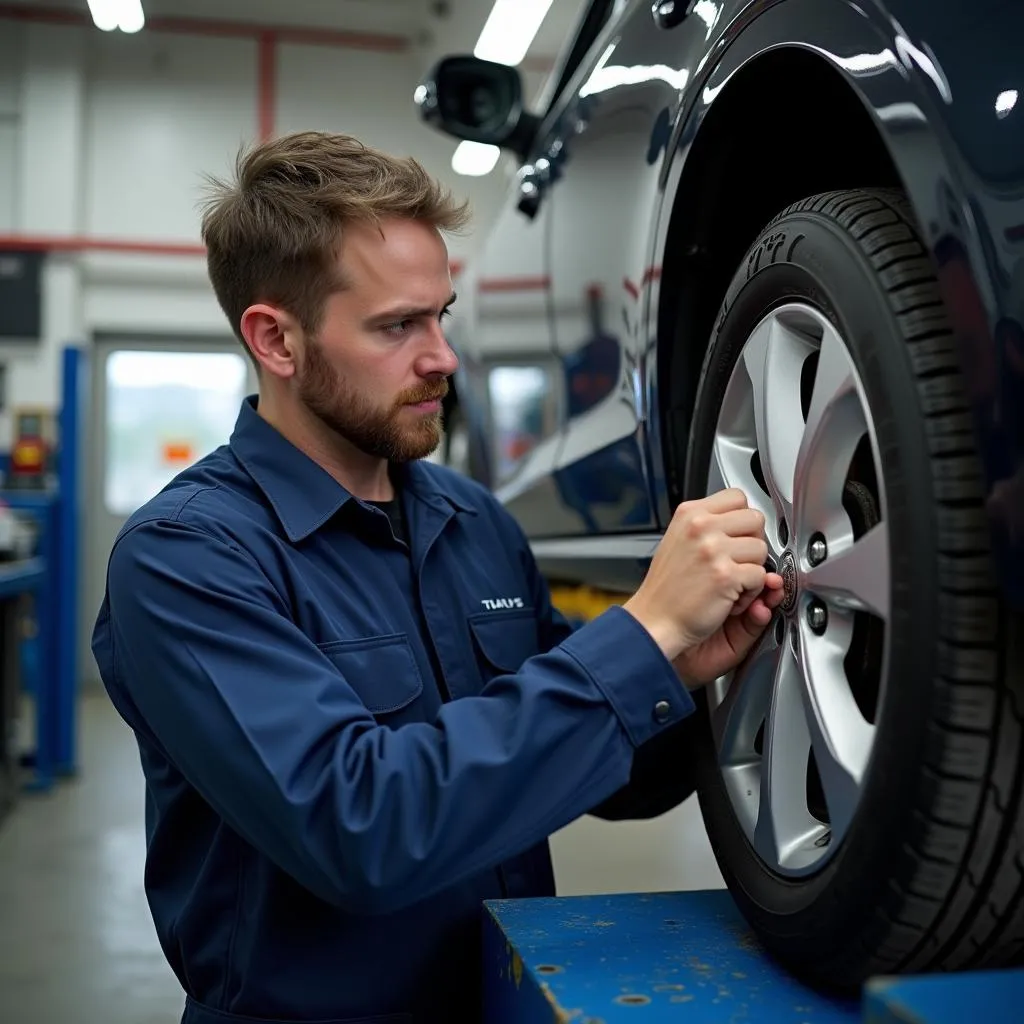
pixel 109 136
pixel 10 98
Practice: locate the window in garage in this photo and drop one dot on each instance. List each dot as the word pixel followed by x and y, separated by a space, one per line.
pixel 164 410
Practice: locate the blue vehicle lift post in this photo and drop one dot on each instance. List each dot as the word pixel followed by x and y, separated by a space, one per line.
pixel 49 658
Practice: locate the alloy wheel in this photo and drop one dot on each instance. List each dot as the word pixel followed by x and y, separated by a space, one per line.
pixel 794 725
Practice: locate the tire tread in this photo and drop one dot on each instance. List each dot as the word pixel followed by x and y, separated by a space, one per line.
pixel 957 899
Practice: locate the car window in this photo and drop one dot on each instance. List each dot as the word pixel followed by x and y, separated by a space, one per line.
pixel 590 22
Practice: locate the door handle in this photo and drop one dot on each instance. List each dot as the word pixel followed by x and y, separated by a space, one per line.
pixel 669 13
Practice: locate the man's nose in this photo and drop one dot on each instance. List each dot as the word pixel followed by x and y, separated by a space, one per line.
pixel 440 357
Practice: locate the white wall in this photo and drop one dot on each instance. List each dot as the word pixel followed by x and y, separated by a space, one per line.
pixel 108 136
pixel 10 101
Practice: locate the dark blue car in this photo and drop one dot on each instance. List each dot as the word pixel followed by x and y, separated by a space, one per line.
pixel 779 245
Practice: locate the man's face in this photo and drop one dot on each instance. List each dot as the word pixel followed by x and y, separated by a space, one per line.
pixel 376 372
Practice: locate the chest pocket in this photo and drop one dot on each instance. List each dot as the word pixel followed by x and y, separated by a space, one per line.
pixel 383 672
pixel 503 641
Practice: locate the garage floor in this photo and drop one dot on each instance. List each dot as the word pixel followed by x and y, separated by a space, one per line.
pixel 76 940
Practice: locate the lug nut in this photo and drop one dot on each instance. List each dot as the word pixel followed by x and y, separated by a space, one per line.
pixel 817 552
pixel 817 616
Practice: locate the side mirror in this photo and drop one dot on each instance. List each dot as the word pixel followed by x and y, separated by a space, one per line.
pixel 477 100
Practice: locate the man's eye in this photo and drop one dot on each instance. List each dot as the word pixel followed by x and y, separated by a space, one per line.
pixel 397 329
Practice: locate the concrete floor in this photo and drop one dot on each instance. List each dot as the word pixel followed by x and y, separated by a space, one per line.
pixel 76 939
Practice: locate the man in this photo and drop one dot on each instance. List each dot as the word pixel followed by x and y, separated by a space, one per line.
pixel 358 714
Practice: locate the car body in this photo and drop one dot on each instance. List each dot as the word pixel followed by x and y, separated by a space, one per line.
pixel 657 156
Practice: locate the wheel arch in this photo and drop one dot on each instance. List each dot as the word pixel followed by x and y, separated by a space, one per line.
pixel 747 117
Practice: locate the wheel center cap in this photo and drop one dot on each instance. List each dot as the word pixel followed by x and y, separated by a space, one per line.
pixel 787 570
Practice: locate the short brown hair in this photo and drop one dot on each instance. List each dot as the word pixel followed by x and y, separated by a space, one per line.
pixel 274 233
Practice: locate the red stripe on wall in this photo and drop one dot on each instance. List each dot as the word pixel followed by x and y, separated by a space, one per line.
pixel 82 243
pixel 513 284
pixel 85 243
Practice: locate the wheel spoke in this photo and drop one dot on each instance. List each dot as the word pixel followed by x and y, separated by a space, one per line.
pixel 731 467
pixel 784 824
pixel 774 358
pixel 857 575
pixel 839 734
pixel 737 719
pixel 836 422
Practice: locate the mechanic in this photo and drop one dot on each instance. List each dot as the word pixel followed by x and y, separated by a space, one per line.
pixel 358 714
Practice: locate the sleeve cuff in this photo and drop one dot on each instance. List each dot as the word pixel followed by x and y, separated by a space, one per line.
pixel 632 672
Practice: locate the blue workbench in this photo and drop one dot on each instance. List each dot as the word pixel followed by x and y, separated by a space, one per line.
pixel 685 956
pixel 691 957
pixel 987 997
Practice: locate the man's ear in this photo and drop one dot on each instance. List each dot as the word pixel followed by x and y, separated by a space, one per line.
pixel 273 338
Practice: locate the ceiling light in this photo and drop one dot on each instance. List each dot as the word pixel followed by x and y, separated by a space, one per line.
pixel 104 14
pixel 127 15
pixel 132 17
pixel 510 29
pixel 475 159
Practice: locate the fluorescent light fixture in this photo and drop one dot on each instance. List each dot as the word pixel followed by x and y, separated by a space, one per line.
pixel 475 159
pixel 104 14
pixel 127 15
pixel 132 17
pixel 510 29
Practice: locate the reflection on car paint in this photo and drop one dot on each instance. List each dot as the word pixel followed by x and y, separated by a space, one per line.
pixel 610 176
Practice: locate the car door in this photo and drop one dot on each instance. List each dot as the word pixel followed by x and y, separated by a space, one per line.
pixel 605 141
pixel 510 370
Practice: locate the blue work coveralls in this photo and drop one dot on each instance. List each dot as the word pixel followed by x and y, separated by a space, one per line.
pixel 349 744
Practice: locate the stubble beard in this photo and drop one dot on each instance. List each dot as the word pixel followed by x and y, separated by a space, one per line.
pixel 369 428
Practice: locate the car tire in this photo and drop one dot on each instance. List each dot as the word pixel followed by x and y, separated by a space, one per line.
pixel 928 873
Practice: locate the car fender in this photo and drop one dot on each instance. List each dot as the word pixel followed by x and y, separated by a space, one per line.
pixel 969 203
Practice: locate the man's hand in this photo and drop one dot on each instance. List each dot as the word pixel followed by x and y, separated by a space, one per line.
pixel 723 651
pixel 707 585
